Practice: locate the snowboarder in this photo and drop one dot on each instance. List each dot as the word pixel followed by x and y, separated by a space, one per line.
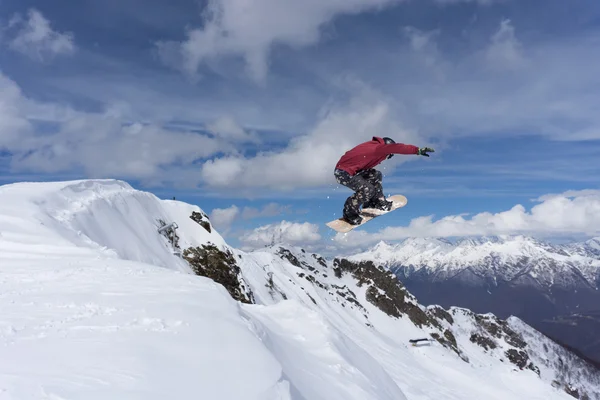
pixel 355 170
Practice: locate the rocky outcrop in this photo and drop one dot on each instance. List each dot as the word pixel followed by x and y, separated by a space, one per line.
pixel 220 266
pixel 388 294
pixel 202 219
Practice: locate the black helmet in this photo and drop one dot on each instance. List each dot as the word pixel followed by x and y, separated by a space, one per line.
pixel 388 140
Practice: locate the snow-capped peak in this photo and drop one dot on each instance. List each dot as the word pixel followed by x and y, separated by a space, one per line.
pixel 502 257
pixel 382 246
pixel 593 244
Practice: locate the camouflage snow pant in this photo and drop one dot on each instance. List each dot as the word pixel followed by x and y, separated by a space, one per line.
pixel 367 188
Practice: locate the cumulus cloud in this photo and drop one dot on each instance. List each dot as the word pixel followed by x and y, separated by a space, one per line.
pixel 575 212
pixel 572 212
pixel 505 50
pixel 498 76
pixel 223 218
pixel 268 210
pixel 425 50
pixel 499 85
pixel 310 159
pixel 102 144
pixel 36 38
pixel 13 124
pixel 420 40
pixel 251 28
pixel 283 232
pixel 227 128
pixel 569 194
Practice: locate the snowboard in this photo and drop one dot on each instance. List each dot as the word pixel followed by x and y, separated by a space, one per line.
pixel 340 225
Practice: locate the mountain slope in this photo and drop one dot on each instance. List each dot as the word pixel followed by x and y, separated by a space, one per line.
pixel 516 259
pixel 543 284
pixel 97 304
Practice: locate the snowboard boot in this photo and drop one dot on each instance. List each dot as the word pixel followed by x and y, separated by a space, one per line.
pixel 351 213
pixel 353 220
pixel 379 204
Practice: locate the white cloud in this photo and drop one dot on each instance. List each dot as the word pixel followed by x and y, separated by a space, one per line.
pixel 268 210
pixel 283 232
pixel 310 159
pixel 505 50
pixel 425 50
pixel 228 129
pixel 13 125
pixel 570 194
pixel 102 144
pixel 498 86
pixel 573 212
pixel 420 40
pixel 36 38
pixel 549 95
pixel 250 28
pixel 222 218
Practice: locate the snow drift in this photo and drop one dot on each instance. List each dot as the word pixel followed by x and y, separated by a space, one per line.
pixel 96 303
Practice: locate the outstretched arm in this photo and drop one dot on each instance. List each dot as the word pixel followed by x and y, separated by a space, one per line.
pixel 400 148
pixel 397 148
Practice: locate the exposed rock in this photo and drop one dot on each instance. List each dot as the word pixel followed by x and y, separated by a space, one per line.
pixel 572 391
pixel 489 325
pixel 500 329
pixel 383 302
pixel 201 219
pixel 385 291
pixel 388 294
pixel 320 260
pixel 448 340
pixel 521 359
pixel 485 342
pixel 440 313
pixel 273 288
pixel 514 339
pixel 221 267
pixel 287 255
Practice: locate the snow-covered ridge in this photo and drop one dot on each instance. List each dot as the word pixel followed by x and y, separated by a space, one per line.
pixel 96 305
pixel 106 217
pixel 505 258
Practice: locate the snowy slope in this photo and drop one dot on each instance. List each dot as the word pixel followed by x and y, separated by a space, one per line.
pixel 554 288
pixel 96 305
pixel 371 339
pixel 552 358
pixel 104 217
pixel 509 258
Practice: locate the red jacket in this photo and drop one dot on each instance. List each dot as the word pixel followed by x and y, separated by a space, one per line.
pixel 370 154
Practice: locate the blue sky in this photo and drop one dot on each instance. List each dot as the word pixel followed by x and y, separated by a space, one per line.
pixel 246 111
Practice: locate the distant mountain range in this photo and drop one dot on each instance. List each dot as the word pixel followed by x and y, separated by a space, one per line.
pixel 553 287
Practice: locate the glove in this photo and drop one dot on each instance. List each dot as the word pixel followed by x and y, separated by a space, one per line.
pixel 424 150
